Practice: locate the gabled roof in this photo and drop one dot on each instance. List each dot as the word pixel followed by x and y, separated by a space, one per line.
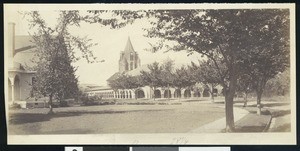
pixel 24 53
pixel 134 72
pixel 137 71
pixel 114 76
pixel 23 43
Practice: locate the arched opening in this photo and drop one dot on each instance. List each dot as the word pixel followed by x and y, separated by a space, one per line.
pixel 116 94
pixel 9 91
pixel 215 92
pixel 197 94
pixel 167 94
pixel 187 93
pixel 122 95
pixel 205 93
pixel 157 94
pixel 177 93
pixel 17 88
pixel 139 93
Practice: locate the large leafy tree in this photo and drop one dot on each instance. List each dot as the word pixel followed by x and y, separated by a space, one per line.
pixel 56 50
pixel 208 74
pixel 55 75
pixel 168 75
pixel 270 54
pixel 153 77
pixel 226 35
pixel 280 84
pixel 182 78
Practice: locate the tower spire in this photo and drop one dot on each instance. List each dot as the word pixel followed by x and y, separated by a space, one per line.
pixel 128 47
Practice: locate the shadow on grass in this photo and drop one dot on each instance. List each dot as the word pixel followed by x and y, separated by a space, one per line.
pixel 270 105
pixel 22 118
pixel 251 129
pixel 282 128
pixel 194 100
pixel 219 102
pixel 278 113
pixel 263 112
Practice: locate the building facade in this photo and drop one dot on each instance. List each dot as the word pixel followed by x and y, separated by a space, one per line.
pixel 129 59
pixel 19 53
pixel 130 63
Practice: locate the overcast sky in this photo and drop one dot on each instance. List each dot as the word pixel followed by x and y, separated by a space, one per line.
pixel 110 43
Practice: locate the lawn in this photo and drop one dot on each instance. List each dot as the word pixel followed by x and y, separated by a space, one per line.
pixel 115 119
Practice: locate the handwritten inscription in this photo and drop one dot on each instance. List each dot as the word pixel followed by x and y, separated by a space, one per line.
pixel 179 140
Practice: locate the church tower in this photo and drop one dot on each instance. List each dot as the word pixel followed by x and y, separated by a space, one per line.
pixel 129 59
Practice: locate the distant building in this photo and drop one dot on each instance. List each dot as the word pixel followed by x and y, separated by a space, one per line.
pixel 129 63
pixel 129 59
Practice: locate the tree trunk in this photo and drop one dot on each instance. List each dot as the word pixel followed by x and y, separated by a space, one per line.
pixel 229 101
pixel 259 94
pixel 50 104
pixel 245 99
pixel 153 94
pixel 168 92
pixel 212 93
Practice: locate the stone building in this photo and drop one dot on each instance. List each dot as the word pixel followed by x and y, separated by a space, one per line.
pixel 129 59
pixel 129 63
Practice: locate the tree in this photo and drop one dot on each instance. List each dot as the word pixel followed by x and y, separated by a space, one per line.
pixel 182 78
pixel 134 83
pixel 207 74
pixel 152 78
pixel 55 51
pixel 118 82
pixel 124 81
pixel 270 54
pixel 168 75
pixel 225 35
pixel 245 86
pixel 280 84
pixel 55 75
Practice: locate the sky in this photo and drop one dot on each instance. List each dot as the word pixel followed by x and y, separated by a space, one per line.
pixel 110 43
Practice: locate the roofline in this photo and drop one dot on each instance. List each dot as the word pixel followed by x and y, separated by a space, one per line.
pixel 21 71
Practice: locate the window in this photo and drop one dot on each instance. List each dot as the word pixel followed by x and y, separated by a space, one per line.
pixel 131 56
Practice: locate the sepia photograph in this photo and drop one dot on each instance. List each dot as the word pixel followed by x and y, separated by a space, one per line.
pixel 150 74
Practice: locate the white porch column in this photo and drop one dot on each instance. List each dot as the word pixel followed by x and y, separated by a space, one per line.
pixel 192 94
pixel 12 82
pixel 133 94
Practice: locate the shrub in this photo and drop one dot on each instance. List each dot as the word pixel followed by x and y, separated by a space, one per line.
pixel 90 100
pixel 15 106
